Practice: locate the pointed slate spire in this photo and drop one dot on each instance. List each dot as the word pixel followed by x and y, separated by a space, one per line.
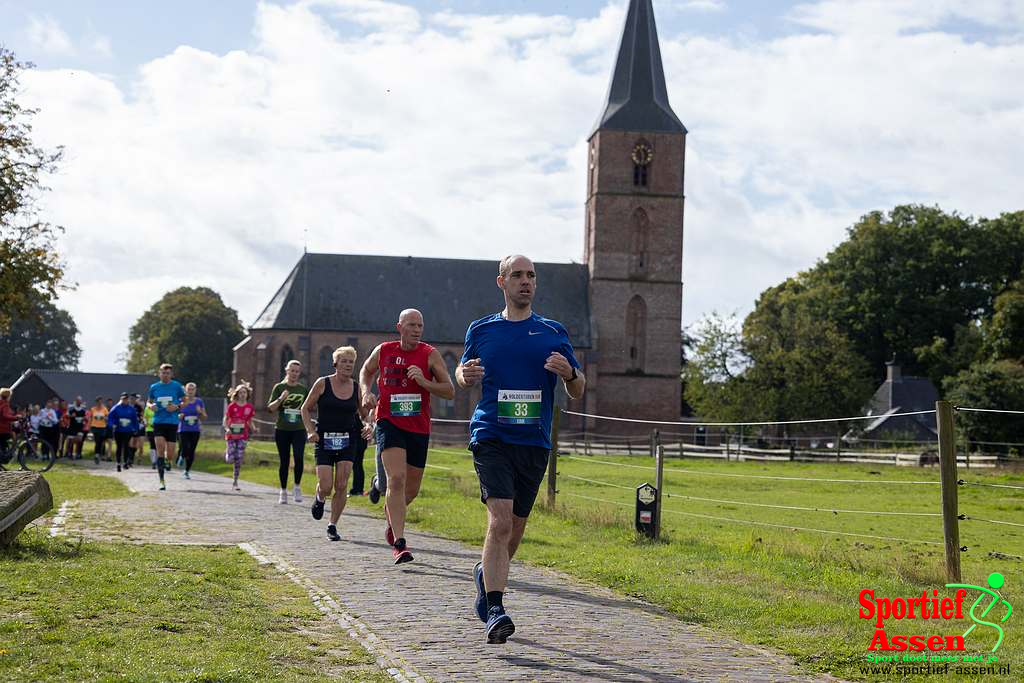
pixel 637 97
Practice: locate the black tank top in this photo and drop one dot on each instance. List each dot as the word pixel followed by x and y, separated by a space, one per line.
pixel 335 414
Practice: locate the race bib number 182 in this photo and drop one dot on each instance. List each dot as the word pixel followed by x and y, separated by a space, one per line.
pixel 519 407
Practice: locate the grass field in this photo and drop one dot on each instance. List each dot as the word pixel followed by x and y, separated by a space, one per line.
pixel 73 610
pixel 795 591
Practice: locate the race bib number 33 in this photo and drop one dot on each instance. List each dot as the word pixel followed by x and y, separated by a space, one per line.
pixel 519 407
pixel 405 405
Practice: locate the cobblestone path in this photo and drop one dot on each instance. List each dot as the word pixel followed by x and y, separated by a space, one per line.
pixel 417 618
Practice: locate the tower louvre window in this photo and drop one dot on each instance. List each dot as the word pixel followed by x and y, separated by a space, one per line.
pixel 640 228
pixel 639 175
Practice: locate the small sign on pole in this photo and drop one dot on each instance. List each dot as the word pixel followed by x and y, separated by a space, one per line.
pixel 647 510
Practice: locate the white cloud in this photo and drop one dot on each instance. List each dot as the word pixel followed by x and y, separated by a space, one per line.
pixel 463 135
pixel 698 5
pixel 891 16
pixel 47 35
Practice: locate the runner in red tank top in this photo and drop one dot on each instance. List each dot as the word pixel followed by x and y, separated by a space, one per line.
pixel 410 371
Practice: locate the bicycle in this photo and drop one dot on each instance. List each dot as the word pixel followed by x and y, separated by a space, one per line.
pixel 32 453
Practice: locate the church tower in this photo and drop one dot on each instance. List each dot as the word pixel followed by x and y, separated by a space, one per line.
pixel 634 232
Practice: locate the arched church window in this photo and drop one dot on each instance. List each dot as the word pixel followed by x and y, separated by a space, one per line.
pixel 326 363
pixel 640 229
pixel 636 333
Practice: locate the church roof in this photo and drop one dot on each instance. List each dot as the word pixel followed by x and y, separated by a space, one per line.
pixel 70 383
pixel 356 293
pixel 637 97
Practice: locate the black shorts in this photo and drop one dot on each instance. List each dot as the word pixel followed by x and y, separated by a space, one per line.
pixel 325 458
pixel 139 432
pixel 72 431
pixel 510 471
pixel 165 431
pixel 415 445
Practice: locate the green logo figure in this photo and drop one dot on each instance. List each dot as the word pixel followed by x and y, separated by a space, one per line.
pixel 995 580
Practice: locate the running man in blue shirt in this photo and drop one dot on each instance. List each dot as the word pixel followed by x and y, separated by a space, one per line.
pixel 164 400
pixel 518 357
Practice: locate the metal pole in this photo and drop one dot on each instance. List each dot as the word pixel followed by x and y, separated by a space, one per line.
pixel 948 478
pixel 553 458
pixel 658 482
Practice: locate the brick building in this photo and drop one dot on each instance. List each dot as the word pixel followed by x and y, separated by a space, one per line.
pixel 622 306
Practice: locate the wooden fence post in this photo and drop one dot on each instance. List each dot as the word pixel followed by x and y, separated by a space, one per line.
pixel 948 479
pixel 659 481
pixel 553 458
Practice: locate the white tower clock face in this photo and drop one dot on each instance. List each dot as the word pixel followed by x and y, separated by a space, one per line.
pixel 642 155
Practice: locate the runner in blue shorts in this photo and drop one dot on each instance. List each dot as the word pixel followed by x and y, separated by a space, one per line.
pixel 518 357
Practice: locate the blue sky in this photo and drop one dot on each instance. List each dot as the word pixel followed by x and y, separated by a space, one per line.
pixel 224 134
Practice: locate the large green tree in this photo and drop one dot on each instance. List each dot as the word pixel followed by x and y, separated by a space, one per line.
pixel 46 339
pixel 31 270
pixel 990 385
pixel 943 292
pixel 802 366
pixel 904 280
pixel 192 329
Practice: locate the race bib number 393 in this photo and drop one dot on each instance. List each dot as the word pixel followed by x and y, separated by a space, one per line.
pixel 405 405
pixel 519 407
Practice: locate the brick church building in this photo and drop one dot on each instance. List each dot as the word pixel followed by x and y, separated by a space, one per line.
pixel 622 306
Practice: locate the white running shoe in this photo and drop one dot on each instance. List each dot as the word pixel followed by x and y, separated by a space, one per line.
pixel 282 498
pixel 298 494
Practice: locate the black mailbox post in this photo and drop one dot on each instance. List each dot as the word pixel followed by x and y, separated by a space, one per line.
pixel 647 510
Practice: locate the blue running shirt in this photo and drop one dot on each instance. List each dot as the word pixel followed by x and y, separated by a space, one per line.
pixel 161 394
pixel 518 393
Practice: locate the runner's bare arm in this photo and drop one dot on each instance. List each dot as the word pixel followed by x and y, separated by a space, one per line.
pixel 559 364
pixel 366 376
pixel 469 373
pixel 442 385
pixel 307 418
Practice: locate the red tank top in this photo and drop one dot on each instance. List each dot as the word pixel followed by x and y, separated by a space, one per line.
pixel 403 402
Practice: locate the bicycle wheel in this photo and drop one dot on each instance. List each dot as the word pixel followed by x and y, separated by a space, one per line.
pixel 38 459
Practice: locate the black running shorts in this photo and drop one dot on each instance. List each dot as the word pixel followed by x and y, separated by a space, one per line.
pixel 326 458
pixel 415 445
pixel 510 471
pixel 168 432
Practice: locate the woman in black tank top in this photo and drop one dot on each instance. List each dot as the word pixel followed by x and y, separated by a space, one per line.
pixel 336 434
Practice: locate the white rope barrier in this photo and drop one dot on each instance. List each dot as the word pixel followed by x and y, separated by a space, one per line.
pixel 745 424
pixel 755 476
pixel 987 410
pixel 992 521
pixel 993 486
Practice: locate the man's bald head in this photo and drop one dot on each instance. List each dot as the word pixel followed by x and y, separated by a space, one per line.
pixel 410 327
pixel 410 313
pixel 514 262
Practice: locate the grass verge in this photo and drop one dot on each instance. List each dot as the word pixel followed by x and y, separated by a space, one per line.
pixel 74 610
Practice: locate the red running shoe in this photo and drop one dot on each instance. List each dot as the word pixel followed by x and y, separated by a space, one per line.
pixel 400 552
